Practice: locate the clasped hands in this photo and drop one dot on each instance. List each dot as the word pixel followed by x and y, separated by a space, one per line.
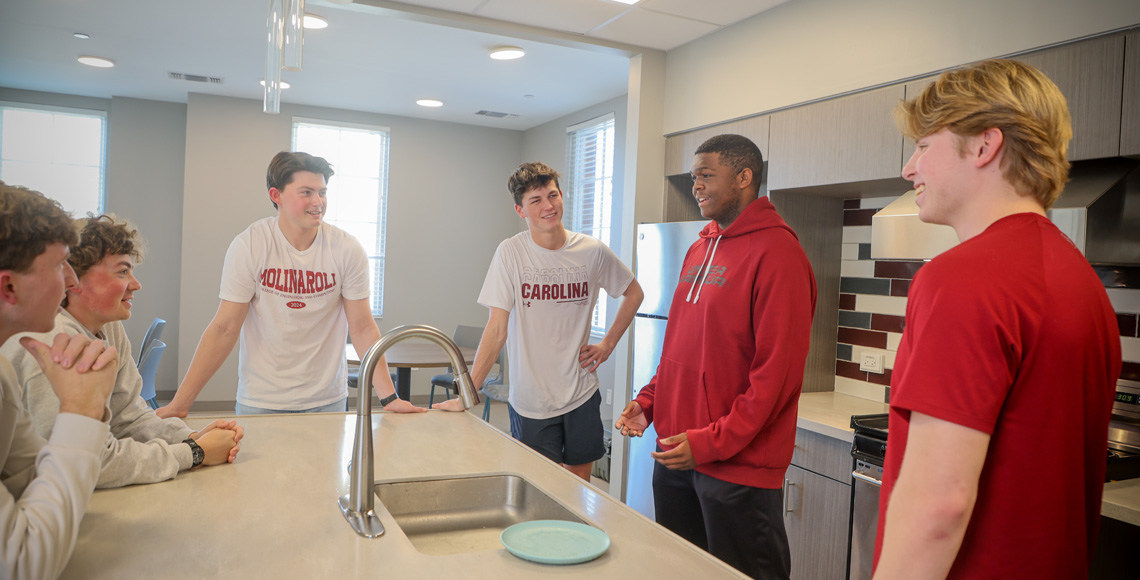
pixel 632 423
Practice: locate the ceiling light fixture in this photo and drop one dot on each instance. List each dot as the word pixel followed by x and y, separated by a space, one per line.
pixel 284 85
pixel 507 53
pixel 433 103
pixel 284 40
pixel 96 61
pixel 630 2
pixel 314 22
pixel 82 36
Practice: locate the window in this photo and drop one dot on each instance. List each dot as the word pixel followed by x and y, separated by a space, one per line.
pixel 56 151
pixel 358 192
pixel 588 207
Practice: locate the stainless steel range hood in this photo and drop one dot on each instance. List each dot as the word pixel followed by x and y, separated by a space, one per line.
pixel 1099 210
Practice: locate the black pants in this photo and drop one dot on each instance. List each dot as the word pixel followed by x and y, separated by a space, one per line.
pixel 741 525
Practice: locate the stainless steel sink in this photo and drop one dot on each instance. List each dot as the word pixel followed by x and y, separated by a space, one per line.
pixel 466 514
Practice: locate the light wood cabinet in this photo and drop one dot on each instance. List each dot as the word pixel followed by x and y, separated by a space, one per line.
pixel 1130 120
pixel 1089 74
pixel 844 140
pixel 912 90
pixel 680 148
pixel 816 517
pixel 817 506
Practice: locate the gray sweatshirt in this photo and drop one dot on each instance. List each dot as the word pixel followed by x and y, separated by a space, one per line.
pixel 46 485
pixel 142 447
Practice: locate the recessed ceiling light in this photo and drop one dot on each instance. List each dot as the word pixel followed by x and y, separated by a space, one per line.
pixel 631 2
pixel 507 53
pixel 96 61
pixel 82 35
pixel 429 103
pixel 284 85
pixel 314 22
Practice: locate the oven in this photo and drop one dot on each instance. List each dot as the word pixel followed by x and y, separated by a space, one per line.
pixel 868 448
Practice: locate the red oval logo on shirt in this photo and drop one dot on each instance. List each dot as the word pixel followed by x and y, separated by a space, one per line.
pixel 295 304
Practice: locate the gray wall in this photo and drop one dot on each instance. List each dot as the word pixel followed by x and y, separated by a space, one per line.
pixel 446 213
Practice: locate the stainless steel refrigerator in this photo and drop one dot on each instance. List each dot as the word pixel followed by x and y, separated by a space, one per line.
pixel 660 251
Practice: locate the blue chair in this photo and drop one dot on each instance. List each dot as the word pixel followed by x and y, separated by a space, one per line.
pixel 497 389
pixel 468 336
pixel 148 368
pixel 153 333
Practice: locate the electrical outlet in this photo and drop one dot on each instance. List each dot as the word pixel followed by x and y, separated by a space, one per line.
pixel 871 362
pixel 609 396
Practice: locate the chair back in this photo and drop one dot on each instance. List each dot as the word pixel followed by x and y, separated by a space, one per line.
pixel 468 336
pixel 153 333
pixel 149 369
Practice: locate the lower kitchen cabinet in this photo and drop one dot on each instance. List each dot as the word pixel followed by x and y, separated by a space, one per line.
pixel 817 506
pixel 816 516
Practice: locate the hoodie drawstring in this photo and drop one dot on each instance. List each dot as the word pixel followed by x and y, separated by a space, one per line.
pixel 703 273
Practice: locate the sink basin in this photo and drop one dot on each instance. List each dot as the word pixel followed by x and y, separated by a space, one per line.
pixel 466 514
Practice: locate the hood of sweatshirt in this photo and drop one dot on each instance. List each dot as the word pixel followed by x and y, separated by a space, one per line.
pixel 758 215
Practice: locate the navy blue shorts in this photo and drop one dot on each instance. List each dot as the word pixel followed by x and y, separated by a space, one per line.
pixel 573 438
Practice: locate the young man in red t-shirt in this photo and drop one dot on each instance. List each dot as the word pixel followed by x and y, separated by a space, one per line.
pixel 1005 376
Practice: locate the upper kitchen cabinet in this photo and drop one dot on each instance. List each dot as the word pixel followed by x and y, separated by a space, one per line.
pixel 1130 122
pixel 913 89
pixel 1089 75
pixel 679 149
pixel 846 140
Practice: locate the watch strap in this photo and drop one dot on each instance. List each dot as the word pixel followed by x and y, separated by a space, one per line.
pixel 196 451
pixel 384 402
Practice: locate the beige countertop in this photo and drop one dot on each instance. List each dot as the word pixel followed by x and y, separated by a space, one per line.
pixel 830 413
pixel 274 514
pixel 1121 501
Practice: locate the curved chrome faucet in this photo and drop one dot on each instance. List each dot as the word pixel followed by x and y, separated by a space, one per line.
pixel 358 506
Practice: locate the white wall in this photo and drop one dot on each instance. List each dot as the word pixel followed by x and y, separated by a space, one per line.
pixel 809 49
pixel 444 191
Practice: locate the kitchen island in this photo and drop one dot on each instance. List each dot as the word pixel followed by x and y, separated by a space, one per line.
pixel 274 514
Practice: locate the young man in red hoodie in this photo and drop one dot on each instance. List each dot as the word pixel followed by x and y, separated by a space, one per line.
pixel 726 392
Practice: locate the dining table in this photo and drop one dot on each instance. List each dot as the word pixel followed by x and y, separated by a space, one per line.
pixel 405 356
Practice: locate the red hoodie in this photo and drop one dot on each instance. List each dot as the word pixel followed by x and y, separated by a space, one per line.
pixel 733 359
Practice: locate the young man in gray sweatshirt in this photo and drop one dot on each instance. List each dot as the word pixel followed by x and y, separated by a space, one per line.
pixel 141 448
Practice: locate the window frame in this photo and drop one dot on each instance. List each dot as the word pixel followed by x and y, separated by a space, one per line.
pixel 101 195
pixel 575 186
pixel 377 261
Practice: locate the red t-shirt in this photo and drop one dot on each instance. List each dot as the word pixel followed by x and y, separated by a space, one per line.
pixel 1011 333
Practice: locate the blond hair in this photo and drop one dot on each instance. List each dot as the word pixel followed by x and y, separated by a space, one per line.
pixel 1008 95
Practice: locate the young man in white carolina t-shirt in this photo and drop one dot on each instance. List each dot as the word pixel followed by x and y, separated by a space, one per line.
pixel 541 289
pixel 293 288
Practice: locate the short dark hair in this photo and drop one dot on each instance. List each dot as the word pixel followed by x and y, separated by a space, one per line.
pixel 102 236
pixel 286 163
pixel 529 176
pixel 29 223
pixel 737 152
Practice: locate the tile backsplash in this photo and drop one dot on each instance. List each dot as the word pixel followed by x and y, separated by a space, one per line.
pixel 872 306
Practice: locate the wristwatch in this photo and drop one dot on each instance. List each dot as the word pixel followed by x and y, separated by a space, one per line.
pixel 384 402
pixel 196 451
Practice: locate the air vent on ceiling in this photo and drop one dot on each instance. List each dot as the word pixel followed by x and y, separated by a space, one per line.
pixel 196 78
pixel 496 114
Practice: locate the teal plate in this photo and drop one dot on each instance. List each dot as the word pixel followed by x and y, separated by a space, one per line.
pixel 555 541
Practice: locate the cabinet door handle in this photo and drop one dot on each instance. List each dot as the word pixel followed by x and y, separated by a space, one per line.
pixel 788 484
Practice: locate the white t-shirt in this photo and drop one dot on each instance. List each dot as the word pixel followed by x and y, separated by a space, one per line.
pixel 550 295
pixel 291 352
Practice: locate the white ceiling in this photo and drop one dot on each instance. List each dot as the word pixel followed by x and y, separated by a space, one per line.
pixel 375 56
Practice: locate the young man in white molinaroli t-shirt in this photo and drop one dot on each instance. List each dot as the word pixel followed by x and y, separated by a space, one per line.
pixel 293 289
pixel 540 290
